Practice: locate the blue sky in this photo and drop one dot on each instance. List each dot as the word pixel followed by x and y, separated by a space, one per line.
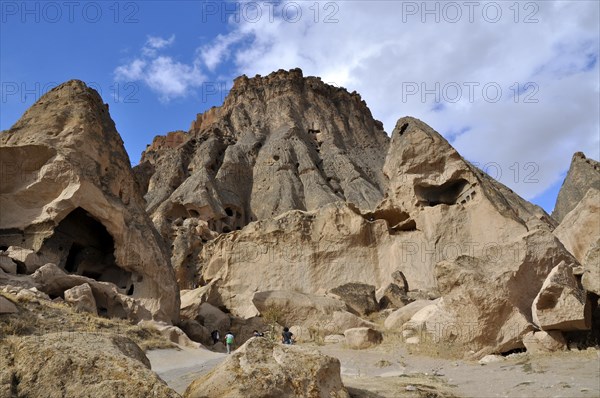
pixel 513 85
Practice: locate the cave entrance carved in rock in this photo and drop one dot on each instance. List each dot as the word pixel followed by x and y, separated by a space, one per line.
pixel 81 245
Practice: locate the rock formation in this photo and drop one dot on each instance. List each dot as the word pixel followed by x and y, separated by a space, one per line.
pixel 290 202
pixel 68 197
pixel 477 235
pixel 579 231
pixel 583 174
pixel 77 365
pixel 261 368
pixel 278 143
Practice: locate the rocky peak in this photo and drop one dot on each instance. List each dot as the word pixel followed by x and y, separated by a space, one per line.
pixel 69 196
pixel 584 173
pixel 278 143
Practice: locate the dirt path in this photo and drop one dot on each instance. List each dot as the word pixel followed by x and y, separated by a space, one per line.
pixel 179 367
pixel 387 371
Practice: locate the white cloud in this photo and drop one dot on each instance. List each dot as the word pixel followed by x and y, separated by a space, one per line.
pixel 167 77
pixel 155 43
pixel 382 48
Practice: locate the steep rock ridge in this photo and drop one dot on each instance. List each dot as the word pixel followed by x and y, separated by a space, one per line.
pixel 278 143
pixel 499 242
pixel 68 194
pixel 583 174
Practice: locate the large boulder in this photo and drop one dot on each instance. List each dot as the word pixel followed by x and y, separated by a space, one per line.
pixel 70 197
pixel 324 315
pixel 361 338
pixel 82 297
pixel 544 341
pixel 111 302
pixel 359 297
pixel 75 365
pixel 579 231
pixel 213 318
pixel 561 303
pixel 584 173
pixel 392 296
pixel 396 319
pixel 260 368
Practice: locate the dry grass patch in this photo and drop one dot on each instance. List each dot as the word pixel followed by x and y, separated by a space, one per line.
pixel 38 317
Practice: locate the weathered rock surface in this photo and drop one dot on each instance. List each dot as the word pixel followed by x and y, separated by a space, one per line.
pixel 359 297
pixel 544 341
pixel 361 338
pixel 73 365
pixel 402 315
pixel 213 318
pixel 172 333
pixel 561 303
pixel 261 368
pixel 475 235
pixel 324 315
pixel 583 174
pixel 392 296
pixel 8 265
pixel 110 302
pixel 195 331
pixel 82 297
pixel 70 197
pixel 579 231
pixel 7 306
pixel 27 258
pixel 278 143
pixel 191 300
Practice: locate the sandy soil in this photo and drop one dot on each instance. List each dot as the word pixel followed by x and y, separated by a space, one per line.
pixel 387 371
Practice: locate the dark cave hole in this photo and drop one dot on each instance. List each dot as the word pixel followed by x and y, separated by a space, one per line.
pixel 513 351
pixel 89 250
pixel 403 128
pixel 447 193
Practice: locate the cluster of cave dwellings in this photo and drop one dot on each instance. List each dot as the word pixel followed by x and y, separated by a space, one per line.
pixel 449 193
pixel 234 218
pixel 81 245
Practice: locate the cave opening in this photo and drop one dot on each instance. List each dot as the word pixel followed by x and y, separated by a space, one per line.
pixel 448 193
pixel 89 250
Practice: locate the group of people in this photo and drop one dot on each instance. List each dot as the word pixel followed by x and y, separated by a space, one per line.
pixel 286 337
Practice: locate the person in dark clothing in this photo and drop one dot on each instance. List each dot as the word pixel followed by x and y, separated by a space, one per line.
pixel 215 336
pixel 286 336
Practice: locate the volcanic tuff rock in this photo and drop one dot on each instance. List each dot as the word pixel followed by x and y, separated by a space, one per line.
pixel 278 143
pixel 261 368
pixel 487 238
pixel 69 195
pixel 583 174
pixel 579 231
pixel 449 228
pixel 75 365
